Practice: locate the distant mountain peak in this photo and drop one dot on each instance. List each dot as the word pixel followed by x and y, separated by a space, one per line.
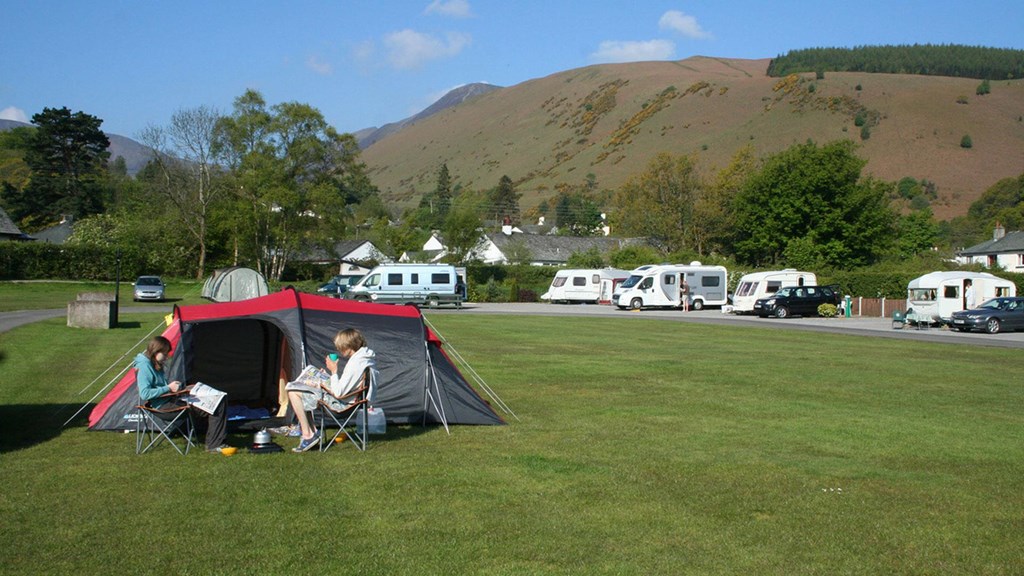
pixel 454 97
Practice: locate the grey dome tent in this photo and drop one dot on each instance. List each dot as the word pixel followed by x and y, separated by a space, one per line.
pixel 238 347
pixel 235 284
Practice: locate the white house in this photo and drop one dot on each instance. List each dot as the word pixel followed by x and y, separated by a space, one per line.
pixel 1004 250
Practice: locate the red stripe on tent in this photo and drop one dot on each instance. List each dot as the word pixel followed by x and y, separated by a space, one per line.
pixel 316 302
pixel 172 333
pixel 269 303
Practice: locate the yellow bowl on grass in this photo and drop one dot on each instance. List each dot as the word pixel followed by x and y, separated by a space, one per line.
pixel 228 451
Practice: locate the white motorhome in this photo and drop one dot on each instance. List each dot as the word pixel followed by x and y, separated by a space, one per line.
pixel 590 285
pixel 763 284
pixel 430 284
pixel 936 295
pixel 658 286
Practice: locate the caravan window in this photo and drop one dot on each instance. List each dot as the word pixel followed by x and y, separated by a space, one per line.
pixel 922 294
pixel 631 281
pixel 440 278
pixel 414 278
pixel 746 289
pixel 373 280
pixel 647 283
pixel 670 279
pixel 595 279
pixel 951 292
pixel 710 281
pixel 579 280
pixel 395 279
pixel 773 286
pixel 559 282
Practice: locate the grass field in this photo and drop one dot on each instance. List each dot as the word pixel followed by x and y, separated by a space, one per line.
pixel 641 447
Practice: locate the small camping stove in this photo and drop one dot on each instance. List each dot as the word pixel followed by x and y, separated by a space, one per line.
pixel 262 443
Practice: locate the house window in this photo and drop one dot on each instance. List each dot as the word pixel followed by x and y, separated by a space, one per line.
pixel 993 260
pixel 1020 260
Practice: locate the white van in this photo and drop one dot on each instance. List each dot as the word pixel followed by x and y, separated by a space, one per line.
pixel 763 284
pixel 936 295
pixel 594 286
pixel 430 284
pixel 658 286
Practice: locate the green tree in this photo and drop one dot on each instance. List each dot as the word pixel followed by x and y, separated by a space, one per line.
pixel 813 195
pixel 983 88
pixel 916 232
pixel 67 154
pixel 504 202
pixel 577 214
pixel 966 142
pixel 294 174
pixel 590 258
pixel 658 203
pixel 713 216
pixel 189 174
pixel 461 234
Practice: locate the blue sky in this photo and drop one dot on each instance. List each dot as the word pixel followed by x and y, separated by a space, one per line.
pixel 366 63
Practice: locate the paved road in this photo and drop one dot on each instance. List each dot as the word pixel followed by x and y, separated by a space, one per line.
pixel 879 327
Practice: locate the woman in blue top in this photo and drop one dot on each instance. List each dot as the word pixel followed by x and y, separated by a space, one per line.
pixel 153 385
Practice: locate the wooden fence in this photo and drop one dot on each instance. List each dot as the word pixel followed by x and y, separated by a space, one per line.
pixel 876 307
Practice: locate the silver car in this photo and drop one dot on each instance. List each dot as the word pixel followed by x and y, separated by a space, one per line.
pixel 148 288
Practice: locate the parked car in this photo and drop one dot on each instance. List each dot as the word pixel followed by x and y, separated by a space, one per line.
pixel 338 285
pixel 796 300
pixel 993 316
pixel 148 288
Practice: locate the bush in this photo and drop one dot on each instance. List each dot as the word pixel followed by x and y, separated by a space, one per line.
pixel 966 142
pixel 828 311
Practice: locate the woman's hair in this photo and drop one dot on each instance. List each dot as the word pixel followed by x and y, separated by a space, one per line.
pixel 156 345
pixel 349 339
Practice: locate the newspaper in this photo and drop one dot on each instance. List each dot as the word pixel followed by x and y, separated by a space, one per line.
pixel 205 398
pixel 312 379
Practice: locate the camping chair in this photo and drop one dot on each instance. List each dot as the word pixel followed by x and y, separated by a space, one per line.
pixel 352 419
pixel 154 425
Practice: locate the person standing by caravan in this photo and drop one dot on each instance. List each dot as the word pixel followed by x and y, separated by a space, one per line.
pixel 684 293
pixel 968 294
pixel 352 346
pixel 153 387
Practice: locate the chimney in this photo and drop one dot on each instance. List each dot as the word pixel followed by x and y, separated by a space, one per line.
pixel 999 232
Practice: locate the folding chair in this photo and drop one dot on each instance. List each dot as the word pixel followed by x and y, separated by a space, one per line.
pixel 154 425
pixel 353 411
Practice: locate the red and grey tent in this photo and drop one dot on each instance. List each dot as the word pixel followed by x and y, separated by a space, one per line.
pixel 243 347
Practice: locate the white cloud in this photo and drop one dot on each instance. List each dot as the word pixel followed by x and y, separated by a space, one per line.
pixel 409 49
pixel 612 51
pixel 453 8
pixel 686 25
pixel 317 65
pixel 16 114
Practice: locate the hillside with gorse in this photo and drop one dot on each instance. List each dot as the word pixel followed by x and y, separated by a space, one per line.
pixel 610 120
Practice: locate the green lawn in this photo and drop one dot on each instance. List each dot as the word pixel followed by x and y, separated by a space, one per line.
pixel 642 447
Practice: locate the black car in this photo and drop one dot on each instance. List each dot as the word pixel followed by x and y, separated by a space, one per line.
pixel 993 316
pixel 796 300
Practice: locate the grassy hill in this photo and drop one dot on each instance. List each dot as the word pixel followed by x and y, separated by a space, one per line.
pixel 609 120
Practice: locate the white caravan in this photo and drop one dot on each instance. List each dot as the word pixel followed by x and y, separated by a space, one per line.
pixel 430 284
pixel 658 286
pixel 592 285
pixel 763 284
pixel 936 295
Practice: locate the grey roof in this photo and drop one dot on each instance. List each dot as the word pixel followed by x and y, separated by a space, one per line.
pixel 1011 242
pixel 557 249
pixel 7 226
pixel 341 251
pixel 58 234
